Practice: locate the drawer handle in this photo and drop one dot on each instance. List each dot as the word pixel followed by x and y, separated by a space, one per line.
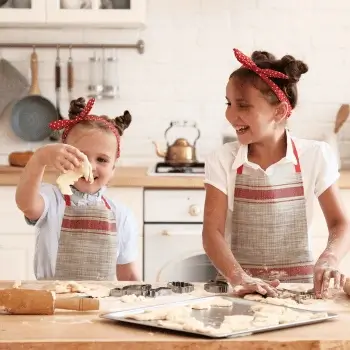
pixel 181 233
pixel 194 210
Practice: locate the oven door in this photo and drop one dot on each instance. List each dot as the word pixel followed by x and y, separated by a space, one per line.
pixel 174 252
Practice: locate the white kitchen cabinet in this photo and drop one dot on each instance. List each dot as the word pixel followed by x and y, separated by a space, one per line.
pixel 31 12
pixel 68 13
pixel 131 197
pixel 16 257
pixel 130 13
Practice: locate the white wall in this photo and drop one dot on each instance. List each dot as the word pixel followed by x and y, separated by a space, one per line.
pixel 187 60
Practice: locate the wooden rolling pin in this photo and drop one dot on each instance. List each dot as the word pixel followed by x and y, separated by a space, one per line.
pixel 41 302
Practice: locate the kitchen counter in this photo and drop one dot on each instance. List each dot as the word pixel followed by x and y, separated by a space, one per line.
pixel 137 177
pixel 72 330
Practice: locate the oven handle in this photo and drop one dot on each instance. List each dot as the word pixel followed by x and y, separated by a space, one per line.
pixel 181 233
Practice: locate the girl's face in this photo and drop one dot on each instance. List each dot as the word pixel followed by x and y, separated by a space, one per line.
pixel 100 146
pixel 251 115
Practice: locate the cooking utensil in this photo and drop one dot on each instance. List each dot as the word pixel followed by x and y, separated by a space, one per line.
pixel 55 135
pixel 41 302
pixel 70 75
pixel 20 159
pixel 181 152
pixel 181 287
pixel 214 317
pixel 216 287
pixel 96 75
pixel 32 114
pixel 13 85
pixel 144 290
pixel 110 77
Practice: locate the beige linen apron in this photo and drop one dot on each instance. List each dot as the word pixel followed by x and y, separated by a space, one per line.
pixel 268 233
pixel 87 247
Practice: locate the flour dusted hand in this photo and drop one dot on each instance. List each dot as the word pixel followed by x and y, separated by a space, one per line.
pixel 249 285
pixel 324 271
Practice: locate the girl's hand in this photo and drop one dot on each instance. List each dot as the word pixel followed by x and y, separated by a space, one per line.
pixel 61 156
pixel 323 273
pixel 249 285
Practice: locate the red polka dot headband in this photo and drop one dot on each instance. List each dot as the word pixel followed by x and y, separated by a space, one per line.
pixel 265 74
pixel 67 124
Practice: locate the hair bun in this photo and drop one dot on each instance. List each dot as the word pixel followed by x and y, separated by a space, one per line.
pixel 262 56
pixel 76 107
pixel 293 68
pixel 123 122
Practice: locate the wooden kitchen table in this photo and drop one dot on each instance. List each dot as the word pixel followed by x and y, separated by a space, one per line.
pixel 68 330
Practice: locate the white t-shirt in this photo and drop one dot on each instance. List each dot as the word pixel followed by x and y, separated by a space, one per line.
pixel 48 228
pixel 318 164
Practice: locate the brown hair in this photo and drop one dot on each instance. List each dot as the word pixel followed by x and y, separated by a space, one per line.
pixel 287 64
pixel 121 123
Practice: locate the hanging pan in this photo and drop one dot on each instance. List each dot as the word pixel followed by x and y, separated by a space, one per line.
pixel 32 114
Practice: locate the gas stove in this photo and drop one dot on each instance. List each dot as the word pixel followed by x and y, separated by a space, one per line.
pixel 166 169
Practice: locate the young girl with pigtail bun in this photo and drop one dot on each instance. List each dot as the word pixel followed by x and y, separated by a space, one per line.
pixel 84 236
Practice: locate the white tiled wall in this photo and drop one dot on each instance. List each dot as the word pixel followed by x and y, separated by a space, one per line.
pixel 187 60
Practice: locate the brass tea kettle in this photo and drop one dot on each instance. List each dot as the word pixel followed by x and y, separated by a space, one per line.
pixel 181 152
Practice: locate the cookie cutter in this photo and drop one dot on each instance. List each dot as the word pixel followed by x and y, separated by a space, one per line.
pixel 136 289
pixel 216 287
pixel 159 292
pixel 181 287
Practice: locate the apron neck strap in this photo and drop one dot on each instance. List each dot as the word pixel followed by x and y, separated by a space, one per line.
pixel 296 166
pixel 68 201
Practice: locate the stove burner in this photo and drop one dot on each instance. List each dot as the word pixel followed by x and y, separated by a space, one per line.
pixel 196 168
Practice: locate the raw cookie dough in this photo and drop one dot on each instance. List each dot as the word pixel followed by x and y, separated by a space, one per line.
pixel 237 323
pixel 253 297
pixel 150 315
pixel 221 302
pixel 64 181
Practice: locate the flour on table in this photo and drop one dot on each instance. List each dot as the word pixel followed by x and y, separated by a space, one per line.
pixel 64 181
pixel 132 298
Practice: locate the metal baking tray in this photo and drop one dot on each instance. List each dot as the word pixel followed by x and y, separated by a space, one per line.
pixel 214 316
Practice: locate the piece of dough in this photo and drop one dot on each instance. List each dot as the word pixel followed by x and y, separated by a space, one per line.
pixel 238 322
pixel 221 302
pixel 169 324
pixel 265 320
pixel 179 315
pixel 193 325
pixel 268 309
pixel 150 315
pixel 253 297
pixel 64 181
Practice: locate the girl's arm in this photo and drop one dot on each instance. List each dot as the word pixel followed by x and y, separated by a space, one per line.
pixel 28 198
pixel 127 272
pixel 213 236
pixel 338 241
